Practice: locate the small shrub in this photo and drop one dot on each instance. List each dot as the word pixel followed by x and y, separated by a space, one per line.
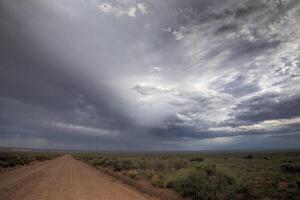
pixel 42 157
pixel 149 174
pixel 143 164
pixel 179 164
pixel 127 165
pixel 133 173
pixel 298 184
pixel 196 159
pixel 248 156
pixel 15 159
pixel 202 182
pixel 159 165
pixel 96 161
pixel 290 168
pixel 157 181
pixel 209 169
pixel 3 164
pixel 13 162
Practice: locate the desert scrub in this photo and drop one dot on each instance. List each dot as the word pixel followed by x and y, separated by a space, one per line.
pixel 158 180
pixel 124 164
pixel 290 168
pixel 133 173
pixel 15 159
pixel 196 159
pixel 202 182
pixel 239 175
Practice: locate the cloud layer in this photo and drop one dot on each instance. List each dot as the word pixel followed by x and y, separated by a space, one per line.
pixel 144 75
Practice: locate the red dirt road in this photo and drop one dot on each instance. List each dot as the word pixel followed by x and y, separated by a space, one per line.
pixel 63 178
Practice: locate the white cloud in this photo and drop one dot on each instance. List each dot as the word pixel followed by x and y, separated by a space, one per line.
pixel 151 89
pixel 132 11
pixel 142 8
pixel 215 60
pixel 83 130
pixel 169 29
pixel 265 125
pixel 118 11
pixel 181 33
pixel 155 69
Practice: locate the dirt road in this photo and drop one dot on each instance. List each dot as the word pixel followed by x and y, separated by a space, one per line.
pixel 63 178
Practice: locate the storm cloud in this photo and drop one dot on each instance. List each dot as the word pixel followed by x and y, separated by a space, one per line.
pixel 150 75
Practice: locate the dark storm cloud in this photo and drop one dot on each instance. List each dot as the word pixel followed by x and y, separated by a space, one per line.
pixel 143 75
pixel 268 107
pixel 226 28
pixel 37 87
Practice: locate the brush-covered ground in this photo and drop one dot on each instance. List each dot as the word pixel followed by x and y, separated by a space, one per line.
pixel 13 159
pixel 258 175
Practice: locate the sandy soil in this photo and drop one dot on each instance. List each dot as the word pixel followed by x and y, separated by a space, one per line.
pixel 63 178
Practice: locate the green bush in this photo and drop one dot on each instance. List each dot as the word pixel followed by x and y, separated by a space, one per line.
pixel 149 174
pixel 15 159
pixel 121 165
pixel 202 183
pixel 178 164
pixel 196 159
pixel 248 156
pixel 127 165
pixel 133 173
pixel 158 181
pixel 290 168
pixel 298 184
pixel 143 164
pixel 159 165
pixel 3 164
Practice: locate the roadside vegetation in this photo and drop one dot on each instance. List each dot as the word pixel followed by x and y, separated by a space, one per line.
pixel 209 176
pixel 12 159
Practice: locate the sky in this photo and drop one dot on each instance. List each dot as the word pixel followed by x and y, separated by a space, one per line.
pixel 149 74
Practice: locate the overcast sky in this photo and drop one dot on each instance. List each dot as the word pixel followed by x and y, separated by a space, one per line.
pixel 150 74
